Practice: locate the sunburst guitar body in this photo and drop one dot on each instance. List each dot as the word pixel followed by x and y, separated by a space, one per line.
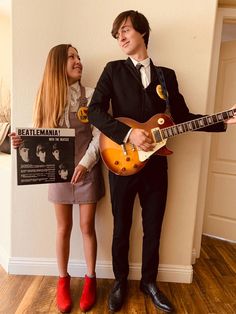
pixel 126 159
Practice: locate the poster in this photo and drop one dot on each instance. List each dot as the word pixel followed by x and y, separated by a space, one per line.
pixel 45 155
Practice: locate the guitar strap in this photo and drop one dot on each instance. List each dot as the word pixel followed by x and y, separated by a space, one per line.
pixel 164 88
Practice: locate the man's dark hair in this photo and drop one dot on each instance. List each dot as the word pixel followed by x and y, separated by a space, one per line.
pixel 25 144
pixel 63 166
pixel 56 146
pixel 41 147
pixel 139 22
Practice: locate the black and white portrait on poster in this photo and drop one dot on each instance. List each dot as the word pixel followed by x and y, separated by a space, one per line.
pixel 45 155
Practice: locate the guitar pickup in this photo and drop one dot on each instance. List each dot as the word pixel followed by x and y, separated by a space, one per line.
pixel 156 134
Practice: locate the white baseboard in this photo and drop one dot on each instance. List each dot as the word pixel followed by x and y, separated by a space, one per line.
pixel 175 273
pixel 218 238
pixel 48 267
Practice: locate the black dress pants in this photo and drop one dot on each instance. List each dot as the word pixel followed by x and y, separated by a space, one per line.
pixel 151 186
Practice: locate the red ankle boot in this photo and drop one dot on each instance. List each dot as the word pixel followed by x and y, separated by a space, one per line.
pixel 88 297
pixel 64 302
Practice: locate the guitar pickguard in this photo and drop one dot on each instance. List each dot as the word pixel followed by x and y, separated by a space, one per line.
pixel 142 155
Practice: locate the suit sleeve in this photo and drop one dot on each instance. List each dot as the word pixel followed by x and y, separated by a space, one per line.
pixel 179 109
pixel 98 113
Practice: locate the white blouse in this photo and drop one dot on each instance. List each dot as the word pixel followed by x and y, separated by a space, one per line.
pixel 92 155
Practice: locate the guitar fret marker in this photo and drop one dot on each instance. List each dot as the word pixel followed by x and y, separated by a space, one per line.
pixel 201 122
pixel 165 133
pixel 209 119
pixel 220 117
pixel 225 115
pixel 175 130
pixel 214 118
pixel 190 126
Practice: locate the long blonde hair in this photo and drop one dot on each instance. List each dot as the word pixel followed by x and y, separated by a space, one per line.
pixel 52 95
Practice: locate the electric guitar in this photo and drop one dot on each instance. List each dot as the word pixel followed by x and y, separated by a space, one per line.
pixel 127 159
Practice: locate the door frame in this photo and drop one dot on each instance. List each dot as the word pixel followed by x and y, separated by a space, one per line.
pixel 223 14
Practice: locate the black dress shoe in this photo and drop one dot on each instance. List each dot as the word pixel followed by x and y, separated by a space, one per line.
pixel 158 298
pixel 117 295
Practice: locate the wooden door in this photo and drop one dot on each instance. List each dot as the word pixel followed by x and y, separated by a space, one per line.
pixel 220 207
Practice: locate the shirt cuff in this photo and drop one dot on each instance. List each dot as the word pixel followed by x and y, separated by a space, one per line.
pixel 125 140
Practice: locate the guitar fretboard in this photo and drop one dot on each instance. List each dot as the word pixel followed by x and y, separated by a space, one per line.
pixel 193 125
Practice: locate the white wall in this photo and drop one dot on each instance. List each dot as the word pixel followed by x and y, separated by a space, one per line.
pixel 5 63
pixel 5 49
pixel 5 160
pixel 177 40
pixel 5 209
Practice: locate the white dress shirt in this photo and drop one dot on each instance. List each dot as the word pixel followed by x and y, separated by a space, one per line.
pixel 145 77
pixel 144 70
pixel 91 156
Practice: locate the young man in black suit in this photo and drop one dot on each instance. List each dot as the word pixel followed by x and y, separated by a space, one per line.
pixel 138 98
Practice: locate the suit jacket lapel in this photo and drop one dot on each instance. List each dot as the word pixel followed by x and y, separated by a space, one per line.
pixel 130 66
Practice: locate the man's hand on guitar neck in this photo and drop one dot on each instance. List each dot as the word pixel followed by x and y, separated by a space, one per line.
pixel 141 139
pixel 232 120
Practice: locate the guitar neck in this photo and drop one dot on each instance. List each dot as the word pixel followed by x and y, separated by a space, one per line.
pixel 193 125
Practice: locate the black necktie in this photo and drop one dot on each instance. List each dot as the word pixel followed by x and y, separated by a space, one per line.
pixel 138 67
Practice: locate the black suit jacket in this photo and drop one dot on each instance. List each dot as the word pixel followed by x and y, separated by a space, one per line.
pixel 120 84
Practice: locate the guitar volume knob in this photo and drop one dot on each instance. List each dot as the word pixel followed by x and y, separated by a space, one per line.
pixel 116 162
